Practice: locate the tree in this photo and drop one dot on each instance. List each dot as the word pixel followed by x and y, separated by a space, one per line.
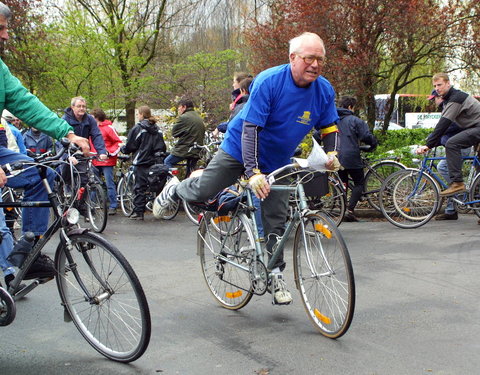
pixel 372 43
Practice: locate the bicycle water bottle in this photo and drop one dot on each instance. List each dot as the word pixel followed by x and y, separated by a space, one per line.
pixel 21 249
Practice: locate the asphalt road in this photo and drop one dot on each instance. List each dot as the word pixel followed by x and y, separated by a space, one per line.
pixel 417 311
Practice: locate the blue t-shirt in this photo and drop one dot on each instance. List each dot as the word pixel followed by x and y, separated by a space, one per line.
pixel 285 112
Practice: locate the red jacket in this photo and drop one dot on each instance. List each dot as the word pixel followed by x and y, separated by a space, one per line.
pixel 112 144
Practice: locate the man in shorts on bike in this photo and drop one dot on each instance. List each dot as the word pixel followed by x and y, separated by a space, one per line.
pixel 285 103
pixel 463 109
pixel 28 108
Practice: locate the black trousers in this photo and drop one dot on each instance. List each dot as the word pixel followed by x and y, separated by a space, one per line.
pixel 358 178
pixel 453 150
pixel 140 188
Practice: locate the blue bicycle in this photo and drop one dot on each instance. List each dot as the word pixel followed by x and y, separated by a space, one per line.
pixel 409 198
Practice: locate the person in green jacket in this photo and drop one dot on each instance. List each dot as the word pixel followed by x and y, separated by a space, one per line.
pixel 28 108
pixel 189 129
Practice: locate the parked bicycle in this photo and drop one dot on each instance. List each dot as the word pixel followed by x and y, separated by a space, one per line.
pixel 411 197
pixel 98 288
pixel 234 262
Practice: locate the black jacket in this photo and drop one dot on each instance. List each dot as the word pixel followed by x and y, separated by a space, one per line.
pixel 352 130
pixel 144 140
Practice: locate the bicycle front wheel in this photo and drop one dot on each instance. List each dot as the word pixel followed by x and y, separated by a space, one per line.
pixel 475 195
pixel 374 179
pixel 172 213
pixel 7 308
pixel 225 257
pixel 409 198
pixel 96 201
pixel 324 275
pixel 103 296
pixel 126 193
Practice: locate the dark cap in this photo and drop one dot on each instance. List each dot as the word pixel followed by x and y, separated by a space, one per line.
pixel 433 95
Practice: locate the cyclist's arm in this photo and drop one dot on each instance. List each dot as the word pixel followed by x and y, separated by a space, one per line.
pixel 250 149
pixel 434 138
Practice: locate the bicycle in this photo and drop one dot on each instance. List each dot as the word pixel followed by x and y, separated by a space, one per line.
pixel 7 308
pixel 411 197
pixel 91 197
pixel 127 194
pixel 98 288
pixel 233 260
pixel 375 173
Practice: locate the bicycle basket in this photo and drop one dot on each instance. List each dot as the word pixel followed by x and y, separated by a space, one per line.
pixel 316 185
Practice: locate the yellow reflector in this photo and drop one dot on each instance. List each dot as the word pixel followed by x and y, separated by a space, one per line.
pixel 220 219
pixel 323 229
pixel 236 294
pixel 406 209
pixel 322 317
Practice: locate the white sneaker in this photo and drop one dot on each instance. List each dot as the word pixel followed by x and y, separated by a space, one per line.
pixel 281 295
pixel 163 203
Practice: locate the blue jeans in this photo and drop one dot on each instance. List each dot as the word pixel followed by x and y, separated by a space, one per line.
pixel 107 172
pixel 171 160
pixel 6 246
pixel 33 219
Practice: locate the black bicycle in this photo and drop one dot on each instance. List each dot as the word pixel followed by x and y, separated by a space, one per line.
pixel 98 288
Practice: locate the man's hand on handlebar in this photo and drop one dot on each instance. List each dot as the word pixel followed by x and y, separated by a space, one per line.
pixel 259 185
pixel 80 142
pixel 422 150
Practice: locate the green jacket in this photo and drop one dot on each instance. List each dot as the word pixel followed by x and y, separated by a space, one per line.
pixel 27 107
pixel 189 129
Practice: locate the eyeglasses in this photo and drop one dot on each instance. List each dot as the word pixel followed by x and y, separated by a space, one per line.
pixel 80 106
pixel 310 59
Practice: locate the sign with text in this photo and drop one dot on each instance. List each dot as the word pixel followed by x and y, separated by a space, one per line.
pixel 415 120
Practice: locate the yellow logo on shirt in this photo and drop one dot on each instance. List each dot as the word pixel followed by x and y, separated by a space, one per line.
pixel 305 118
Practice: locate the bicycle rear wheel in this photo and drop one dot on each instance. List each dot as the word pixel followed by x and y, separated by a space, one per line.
pixel 409 198
pixel 114 316
pixel 96 202
pixel 324 275
pixel 7 308
pixel 127 185
pixel 374 179
pixel 226 258
pixel 334 203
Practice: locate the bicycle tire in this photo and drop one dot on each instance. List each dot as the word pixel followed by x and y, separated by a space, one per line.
pixel 334 203
pixel 127 194
pixel 409 198
pixel 374 179
pixel 116 321
pixel 229 285
pixel 474 195
pixel 192 212
pixel 324 274
pixel 7 308
pixel 97 206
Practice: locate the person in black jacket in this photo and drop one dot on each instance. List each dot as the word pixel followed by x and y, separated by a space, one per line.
pixel 144 140
pixel 352 130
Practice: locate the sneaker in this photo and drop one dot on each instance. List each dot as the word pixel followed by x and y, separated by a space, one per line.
pixel 349 216
pixel 112 211
pixel 42 268
pixel 281 295
pixel 165 200
pixel 136 216
pixel 446 216
pixel 454 188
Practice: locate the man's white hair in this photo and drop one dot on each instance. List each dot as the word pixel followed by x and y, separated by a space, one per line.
pixel 296 43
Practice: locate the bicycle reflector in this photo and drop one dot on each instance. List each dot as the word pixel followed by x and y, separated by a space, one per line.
pixel 174 171
pixel 323 229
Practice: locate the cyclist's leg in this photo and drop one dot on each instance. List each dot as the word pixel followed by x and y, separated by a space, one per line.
pixel 6 246
pixel 358 179
pixel 141 186
pixel 33 219
pixel 171 160
pixel 220 173
pixel 274 214
pixel 442 168
pixel 111 189
pixel 453 150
